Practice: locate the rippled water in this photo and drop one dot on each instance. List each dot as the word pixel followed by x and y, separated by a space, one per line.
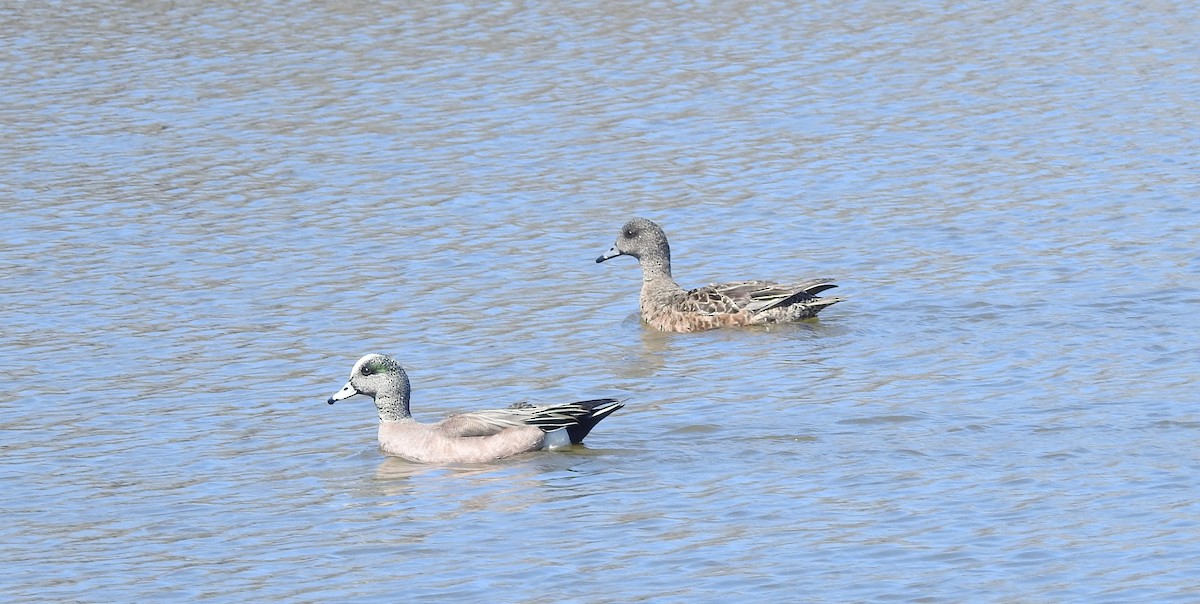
pixel 212 209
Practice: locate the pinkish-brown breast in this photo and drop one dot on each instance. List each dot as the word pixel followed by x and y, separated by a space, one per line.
pixel 671 319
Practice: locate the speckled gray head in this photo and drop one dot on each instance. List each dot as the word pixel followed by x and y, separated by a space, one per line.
pixel 641 239
pixel 384 380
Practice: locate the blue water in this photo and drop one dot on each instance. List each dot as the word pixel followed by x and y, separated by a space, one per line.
pixel 212 210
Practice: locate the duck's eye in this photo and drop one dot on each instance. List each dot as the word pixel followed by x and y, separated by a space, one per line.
pixel 629 233
pixel 366 370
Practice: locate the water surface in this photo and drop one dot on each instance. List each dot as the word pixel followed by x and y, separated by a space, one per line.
pixel 211 210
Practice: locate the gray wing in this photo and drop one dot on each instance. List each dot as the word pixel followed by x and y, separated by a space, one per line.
pixel 477 423
pixel 491 421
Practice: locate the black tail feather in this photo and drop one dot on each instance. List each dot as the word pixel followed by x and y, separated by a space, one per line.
pixel 807 295
pixel 598 409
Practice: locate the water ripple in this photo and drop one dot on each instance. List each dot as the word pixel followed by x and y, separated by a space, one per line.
pixel 215 208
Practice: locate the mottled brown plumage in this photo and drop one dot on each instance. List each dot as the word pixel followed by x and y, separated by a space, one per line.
pixel 668 307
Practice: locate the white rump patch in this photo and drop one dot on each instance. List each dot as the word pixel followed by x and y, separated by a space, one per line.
pixel 557 438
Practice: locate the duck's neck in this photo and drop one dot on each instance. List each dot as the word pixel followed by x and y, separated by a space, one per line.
pixel 657 267
pixel 393 403
pixel 658 288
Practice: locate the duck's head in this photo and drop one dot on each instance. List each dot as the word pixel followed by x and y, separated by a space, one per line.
pixel 376 376
pixel 641 239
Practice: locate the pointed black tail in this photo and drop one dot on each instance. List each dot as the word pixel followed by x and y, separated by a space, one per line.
pixel 599 409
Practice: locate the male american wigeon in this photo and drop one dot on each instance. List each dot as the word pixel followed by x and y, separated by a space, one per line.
pixel 466 437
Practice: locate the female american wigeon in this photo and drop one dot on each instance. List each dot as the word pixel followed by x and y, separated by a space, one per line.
pixel 668 307
pixel 466 437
